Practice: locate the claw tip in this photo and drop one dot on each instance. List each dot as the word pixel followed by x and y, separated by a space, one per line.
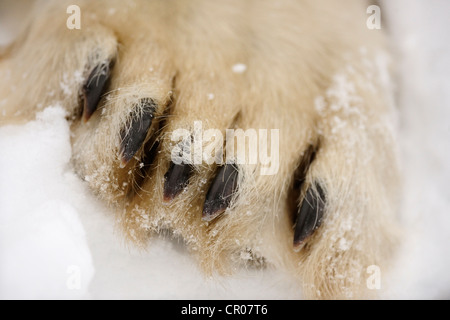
pixel 210 213
pixel 167 198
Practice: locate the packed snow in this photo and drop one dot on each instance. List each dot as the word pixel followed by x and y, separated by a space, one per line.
pixel 58 241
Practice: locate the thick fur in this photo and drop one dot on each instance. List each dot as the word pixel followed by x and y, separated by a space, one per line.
pixel 314 71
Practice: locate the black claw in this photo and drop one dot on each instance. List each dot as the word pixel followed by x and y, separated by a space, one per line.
pixel 176 179
pixel 150 153
pixel 134 136
pixel 309 216
pixel 94 88
pixel 220 192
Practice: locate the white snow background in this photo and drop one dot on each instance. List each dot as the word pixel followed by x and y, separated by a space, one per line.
pixel 58 241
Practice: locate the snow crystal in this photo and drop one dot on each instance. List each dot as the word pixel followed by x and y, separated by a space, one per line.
pixel 239 68
pixel 245 255
pixel 320 105
pixel 344 245
pixel 78 76
pixel 65 88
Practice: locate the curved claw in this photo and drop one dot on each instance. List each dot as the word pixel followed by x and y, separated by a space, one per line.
pixel 176 179
pixel 134 136
pixel 220 192
pixel 309 215
pixel 94 88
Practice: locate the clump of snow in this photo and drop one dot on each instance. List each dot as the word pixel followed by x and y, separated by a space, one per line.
pixel 68 82
pixel 239 68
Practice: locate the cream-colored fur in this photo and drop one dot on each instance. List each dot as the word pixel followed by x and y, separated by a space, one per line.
pixel 314 71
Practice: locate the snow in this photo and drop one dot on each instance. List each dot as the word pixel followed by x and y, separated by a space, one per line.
pixel 422 45
pixel 43 247
pixel 58 241
pixel 239 68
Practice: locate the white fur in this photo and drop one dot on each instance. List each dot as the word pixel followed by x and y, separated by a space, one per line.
pixel 313 70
